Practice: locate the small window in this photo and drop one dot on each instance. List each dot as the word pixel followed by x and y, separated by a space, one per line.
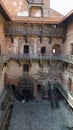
pixel 54 51
pixel 26 49
pixel 43 50
pixel 26 68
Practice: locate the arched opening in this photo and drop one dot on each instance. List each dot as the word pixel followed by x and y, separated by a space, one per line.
pixel 56 49
pixel 72 49
pixel 40 91
pixel 25 89
pixel 26 49
pixel 43 50
pixel 69 83
pixel 64 66
pixel 26 68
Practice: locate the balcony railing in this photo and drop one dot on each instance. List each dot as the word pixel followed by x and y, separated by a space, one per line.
pixel 67 94
pixel 65 58
pixel 34 31
pixel 40 2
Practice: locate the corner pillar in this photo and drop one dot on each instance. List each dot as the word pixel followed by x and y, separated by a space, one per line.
pixel 35 91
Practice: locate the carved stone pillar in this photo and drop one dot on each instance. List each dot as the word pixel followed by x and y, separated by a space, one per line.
pixel 2 81
pixel 35 91
pixel 35 48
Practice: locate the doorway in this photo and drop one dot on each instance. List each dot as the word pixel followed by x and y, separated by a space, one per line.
pixel 26 49
pixel 39 91
pixel 26 68
pixel 43 50
pixel 56 49
pixel 25 87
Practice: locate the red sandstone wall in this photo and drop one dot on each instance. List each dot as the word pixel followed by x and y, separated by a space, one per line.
pixel 21 8
pixel 34 44
pixel 69 39
pixel 2 35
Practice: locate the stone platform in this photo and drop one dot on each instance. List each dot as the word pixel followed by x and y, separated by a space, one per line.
pixel 38 115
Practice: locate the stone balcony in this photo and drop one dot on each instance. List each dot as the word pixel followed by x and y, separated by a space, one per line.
pixel 65 58
pixel 21 29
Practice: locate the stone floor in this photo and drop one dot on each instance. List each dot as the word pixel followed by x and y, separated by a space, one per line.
pixel 38 115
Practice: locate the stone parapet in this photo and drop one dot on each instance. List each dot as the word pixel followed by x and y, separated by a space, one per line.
pixel 65 58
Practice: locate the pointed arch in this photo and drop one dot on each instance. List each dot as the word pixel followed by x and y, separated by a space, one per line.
pixel 56 49
pixel 43 50
pixel 26 49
